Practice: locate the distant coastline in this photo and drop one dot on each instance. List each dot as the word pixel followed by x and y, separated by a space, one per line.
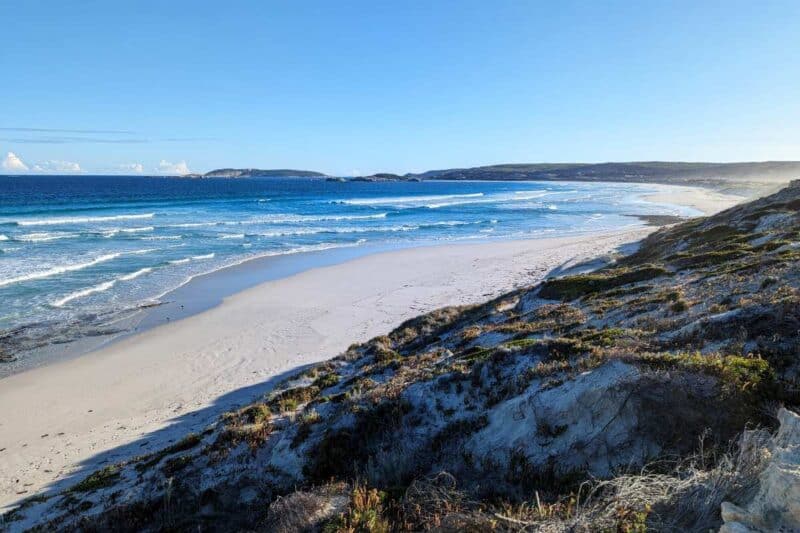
pixel 747 178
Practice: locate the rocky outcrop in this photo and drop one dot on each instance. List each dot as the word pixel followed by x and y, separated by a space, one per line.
pixel 776 505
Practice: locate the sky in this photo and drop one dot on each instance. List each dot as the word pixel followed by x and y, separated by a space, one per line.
pixel 349 88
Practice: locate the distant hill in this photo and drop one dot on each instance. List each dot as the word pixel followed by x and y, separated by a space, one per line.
pixel 386 176
pixel 257 172
pixel 735 175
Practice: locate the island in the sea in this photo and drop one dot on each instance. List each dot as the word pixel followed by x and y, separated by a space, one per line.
pixel 259 173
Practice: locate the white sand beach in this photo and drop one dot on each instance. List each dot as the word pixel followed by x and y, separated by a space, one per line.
pixel 69 417
pixel 708 201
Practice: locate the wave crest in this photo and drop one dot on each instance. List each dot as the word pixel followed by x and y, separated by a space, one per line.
pixel 79 220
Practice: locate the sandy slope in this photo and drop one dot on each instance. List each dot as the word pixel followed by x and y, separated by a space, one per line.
pixel 70 417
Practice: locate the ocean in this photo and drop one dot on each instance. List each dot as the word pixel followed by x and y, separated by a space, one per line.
pixel 87 250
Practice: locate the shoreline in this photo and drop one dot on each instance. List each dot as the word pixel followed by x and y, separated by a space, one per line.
pixel 182 301
pixel 178 376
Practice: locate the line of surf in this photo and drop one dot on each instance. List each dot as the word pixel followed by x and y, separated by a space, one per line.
pixel 78 220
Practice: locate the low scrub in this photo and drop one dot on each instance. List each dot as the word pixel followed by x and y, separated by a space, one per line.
pixel 573 287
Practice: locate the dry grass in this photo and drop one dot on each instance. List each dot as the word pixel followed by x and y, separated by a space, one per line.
pixel 306 510
pixel 687 498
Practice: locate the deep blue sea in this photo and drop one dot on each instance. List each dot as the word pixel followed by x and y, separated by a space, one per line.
pixel 77 247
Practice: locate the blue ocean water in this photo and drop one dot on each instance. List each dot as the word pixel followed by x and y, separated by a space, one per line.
pixel 78 247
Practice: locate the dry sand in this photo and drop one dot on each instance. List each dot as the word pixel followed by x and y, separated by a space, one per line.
pixel 707 201
pixel 64 420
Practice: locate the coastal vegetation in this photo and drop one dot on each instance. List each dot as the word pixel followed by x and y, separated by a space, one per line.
pixel 640 396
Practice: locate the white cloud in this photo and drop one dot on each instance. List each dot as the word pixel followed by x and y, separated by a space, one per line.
pixel 55 165
pixel 131 167
pixel 181 168
pixel 13 163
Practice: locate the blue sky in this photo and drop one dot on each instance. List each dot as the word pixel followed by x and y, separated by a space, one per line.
pixel 358 87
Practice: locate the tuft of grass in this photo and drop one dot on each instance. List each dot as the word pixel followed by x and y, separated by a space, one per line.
pixel 291 399
pixel 175 465
pixel 105 477
pixel 365 514
pixel 188 442
pixel 305 421
pixel 604 338
pixel 325 381
pixel 255 414
pixel 343 451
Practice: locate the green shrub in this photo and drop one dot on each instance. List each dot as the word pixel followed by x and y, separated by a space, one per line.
pixel 679 306
pixel 768 281
pixel 711 258
pixel 176 464
pixel 365 514
pixel 325 381
pixel 604 338
pixel 291 399
pixel 102 478
pixel 736 373
pixel 572 287
pixel 188 442
pixel 255 414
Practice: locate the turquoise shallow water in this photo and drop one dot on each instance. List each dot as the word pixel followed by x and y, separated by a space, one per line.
pixel 76 249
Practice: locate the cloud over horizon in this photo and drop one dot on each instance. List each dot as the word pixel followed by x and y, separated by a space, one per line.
pixel 55 165
pixel 13 163
pixel 180 168
pixel 138 168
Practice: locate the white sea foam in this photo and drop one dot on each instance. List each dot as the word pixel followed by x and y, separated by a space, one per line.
pixel 530 195
pixel 134 275
pixel 58 270
pixel 79 220
pixel 191 258
pixel 232 236
pixel 289 233
pixel 45 236
pixel 369 229
pixel 137 230
pixel 85 292
pixel 162 238
pixel 116 231
pixel 518 196
pixel 400 200
pixel 278 219
pixel 3 237
pixel 192 225
pixel 313 248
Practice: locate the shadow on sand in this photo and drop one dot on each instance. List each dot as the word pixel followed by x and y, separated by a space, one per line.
pixel 196 421
pixel 174 430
